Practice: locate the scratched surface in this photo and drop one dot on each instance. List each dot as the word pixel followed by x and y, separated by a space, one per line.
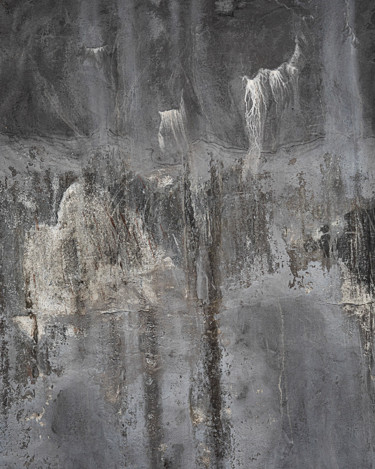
pixel 187 234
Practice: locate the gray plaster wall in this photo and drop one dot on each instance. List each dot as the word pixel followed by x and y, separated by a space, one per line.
pixel 187 234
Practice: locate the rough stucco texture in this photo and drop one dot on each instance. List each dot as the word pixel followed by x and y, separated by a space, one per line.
pixel 187 234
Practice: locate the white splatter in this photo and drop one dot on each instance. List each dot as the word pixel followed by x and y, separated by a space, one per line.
pixel 37 417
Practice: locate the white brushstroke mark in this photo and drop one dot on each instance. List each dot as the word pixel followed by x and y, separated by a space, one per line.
pixel 266 87
pixel 172 131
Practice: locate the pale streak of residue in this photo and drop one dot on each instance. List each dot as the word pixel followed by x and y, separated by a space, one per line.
pixel 173 122
pixel 282 375
pixel 266 87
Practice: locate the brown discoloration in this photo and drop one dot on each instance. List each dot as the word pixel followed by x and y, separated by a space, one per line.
pixel 152 251
pixel 206 395
pixel 218 436
pixel 4 368
pixel 34 330
pixel 28 300
pixel 191 235
pixel 113 222
pixel 124 222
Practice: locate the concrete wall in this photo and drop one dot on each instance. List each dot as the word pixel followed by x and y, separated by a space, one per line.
pixel 187 234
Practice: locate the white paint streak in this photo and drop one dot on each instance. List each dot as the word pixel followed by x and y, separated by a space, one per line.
pixel 172 131
pixel 266 87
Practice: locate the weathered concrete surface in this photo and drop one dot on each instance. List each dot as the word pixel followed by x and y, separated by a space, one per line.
pixel 187 234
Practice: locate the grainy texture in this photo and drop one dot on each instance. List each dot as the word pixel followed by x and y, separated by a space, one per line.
pixel 187 234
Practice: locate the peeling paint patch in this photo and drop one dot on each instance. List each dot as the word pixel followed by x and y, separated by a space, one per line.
pixel 95 258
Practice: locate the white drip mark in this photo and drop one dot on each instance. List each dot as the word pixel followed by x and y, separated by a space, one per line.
pixel 96 54
pixel 348 29
pixel 266 87
pixel 96 50
pixel 172 128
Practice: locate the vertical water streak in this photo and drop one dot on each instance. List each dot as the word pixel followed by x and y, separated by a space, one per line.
pixel 343 102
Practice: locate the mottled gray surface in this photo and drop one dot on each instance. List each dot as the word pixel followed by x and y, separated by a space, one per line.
pixel 187 234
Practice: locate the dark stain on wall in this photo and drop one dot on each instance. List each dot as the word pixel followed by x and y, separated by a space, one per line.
pixel 357 244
